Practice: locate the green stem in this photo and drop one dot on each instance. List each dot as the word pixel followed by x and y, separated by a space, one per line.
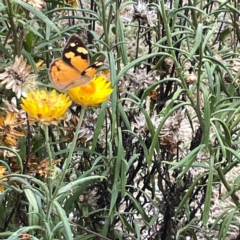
pixel 71 150
pixel 104 23
pixel 198 107
pixel 226 185
pixel 49 180
pixel 13 27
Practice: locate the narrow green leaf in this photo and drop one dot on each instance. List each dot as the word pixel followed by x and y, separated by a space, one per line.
pixel 192 154
pixel 137 61
pixel 208 198
pixel 157 132
pixel 225 226
pixel 124 116
pixel 85 237
pixel 65 189
pixel 98 129
pixel 5 51
pixel 137 228
pixel 188 193
pixel 121 38
pixel 139 208
pixel 223 147
pixel 38 14
pixel 124 170
pixel 33 207
pixel 61 213
pixel 114 196
pixel 125 222
pixel 15 235
pixel 206 130
pixel 197 41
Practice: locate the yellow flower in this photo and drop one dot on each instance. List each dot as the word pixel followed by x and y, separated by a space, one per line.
pixel 2 172
pixel 46 107
pixel 96 92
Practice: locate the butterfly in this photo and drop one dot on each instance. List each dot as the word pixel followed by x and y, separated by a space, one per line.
pixel 73 68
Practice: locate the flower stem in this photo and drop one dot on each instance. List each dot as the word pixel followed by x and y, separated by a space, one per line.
pixel 71 150
pixel 49 178
pixel 11 15
pixel 228 187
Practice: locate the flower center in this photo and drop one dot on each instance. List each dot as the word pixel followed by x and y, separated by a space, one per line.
pixel 90 88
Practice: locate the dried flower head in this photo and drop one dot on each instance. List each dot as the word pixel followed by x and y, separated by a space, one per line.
pixel 73 3
pixel 105 73
pixel 86 131
pixel 140 12
pixel 18 78
pixel 31 164
pixel 170 144
pixel 2 173
pixel 191 78
pixel 137 80
pixel 140 125
pixel 46 107
pixel 153 95
pixel 43 167
pixel 12 107
pixel 89 198
pixel 92 94
pixel 38 4
pixel 170 138
pixel 167 65
pixel 9 130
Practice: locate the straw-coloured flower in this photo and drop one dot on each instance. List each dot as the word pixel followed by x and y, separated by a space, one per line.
pixel 18 77
pixel 43 167
pixel 96 92
pixel 12 106
pixel 89 198
pixel 86 131
pixel 2 172
pixel 74 3
pixel 38 4
pixel 46 107
pixel 9 132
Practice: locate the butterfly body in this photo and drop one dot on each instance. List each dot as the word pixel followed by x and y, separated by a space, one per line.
pixel 74 68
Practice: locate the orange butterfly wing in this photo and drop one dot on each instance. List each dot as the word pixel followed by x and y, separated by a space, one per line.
pixel 64 76
pixel 76 54
pixel 73 69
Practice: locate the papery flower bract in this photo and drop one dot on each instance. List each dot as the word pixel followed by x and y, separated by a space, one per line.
pixel 38 4
pixel 89 198
pixel 18 77
pixel 46 107
pixel 105 73
pixel 2 172
pixel 86 131
pixel 8 133
pixel 43 167
pixel 74 3
pixel 12 107
pixel 92 94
